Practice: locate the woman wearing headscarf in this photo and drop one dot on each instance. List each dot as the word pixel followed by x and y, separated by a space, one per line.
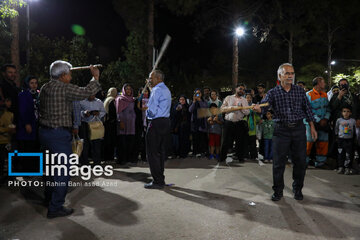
pixel 141 104
pixel 110 124
pixel 182 126
pixel 214 98
pixel 27 125
pixel 126 116
pixel 198 125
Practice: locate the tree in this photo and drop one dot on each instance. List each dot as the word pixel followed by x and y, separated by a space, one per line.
pixel 78 51
pixel 8 9
pixel 333 17
pixel 284 21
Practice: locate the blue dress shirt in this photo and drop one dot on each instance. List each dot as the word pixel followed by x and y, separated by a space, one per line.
pixel 159 102
pixel 76 114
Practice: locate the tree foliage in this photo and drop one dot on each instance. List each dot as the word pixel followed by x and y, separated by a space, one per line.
pixel 8 8
pixel 352 75
pixel 78 51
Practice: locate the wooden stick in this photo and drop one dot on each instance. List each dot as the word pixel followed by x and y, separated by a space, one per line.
pixel 85 67
pixel 162 51
pixel 205 112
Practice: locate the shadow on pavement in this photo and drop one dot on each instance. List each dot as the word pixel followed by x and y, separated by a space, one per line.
pixel 261 213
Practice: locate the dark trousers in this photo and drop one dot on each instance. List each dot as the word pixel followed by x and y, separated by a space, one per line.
pixel 184 141
pixel 289 140
pixel 157 140
pixel 126 151
pixel 28 146
pixel 200 142
pixel 252 147
pixel 237 131
pixel 140 145
pixel 345 151
pixel 89 145
pixel 109 142
pixel 56 141
pixel 261 146
pixel 268 150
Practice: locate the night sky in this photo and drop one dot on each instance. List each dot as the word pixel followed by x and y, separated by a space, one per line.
pixel 103 26
pixel 211 55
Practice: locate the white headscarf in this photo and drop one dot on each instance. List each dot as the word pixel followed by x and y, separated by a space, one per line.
pixel 111 95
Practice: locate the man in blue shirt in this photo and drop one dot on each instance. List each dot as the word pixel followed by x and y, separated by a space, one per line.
pixel 290 106
pixel 158 131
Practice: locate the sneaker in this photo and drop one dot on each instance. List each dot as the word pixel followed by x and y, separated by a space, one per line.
pixel 340 170
pixel 63 212
pixel 198 155
pixel 211 156
pixel 217 157
pixel 228 160
pixel 347 171
pixel 266 161
pixel 261 163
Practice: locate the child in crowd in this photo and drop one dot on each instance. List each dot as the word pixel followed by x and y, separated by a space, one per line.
pixel 268 130
pixel 7 129
pixel 252 119
pixel 345 133
pixel 215 122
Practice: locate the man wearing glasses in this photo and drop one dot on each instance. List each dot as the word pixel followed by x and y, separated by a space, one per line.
pixel 290 106
pixel 235 127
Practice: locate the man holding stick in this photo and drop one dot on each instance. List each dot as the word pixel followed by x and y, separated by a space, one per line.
pixel 56 99
pixel 290 106
pixel 158 131
pixel 235 127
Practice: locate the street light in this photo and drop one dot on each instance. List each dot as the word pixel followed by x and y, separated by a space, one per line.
pixel 333 62
pixel 239 32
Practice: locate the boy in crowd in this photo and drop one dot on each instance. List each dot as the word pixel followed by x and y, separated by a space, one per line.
pixel 345 132
pixel 268 131
pixel 215 122
pixel 252 119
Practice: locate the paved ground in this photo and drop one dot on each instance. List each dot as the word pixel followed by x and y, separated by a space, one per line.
pixel 207 202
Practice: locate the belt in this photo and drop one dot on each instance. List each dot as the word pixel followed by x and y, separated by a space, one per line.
pixel 158 118
pixel 290 124
pixel 54 128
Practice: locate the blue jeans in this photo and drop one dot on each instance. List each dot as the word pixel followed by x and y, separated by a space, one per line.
pixel 268 151
pixel 56 140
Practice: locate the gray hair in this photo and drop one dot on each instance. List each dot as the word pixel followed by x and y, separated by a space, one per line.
pixel 59 68
pixel 280 70
pixel 159 74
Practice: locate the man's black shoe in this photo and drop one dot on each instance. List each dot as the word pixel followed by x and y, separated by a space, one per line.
pixel 63 212
pixel 276 197
pixel 153 185
pixel 298 195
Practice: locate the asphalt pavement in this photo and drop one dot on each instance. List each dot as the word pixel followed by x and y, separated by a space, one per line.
pixel 204 200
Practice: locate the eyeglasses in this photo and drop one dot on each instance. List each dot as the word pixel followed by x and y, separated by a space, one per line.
pixel 289 73
pixel 242 89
